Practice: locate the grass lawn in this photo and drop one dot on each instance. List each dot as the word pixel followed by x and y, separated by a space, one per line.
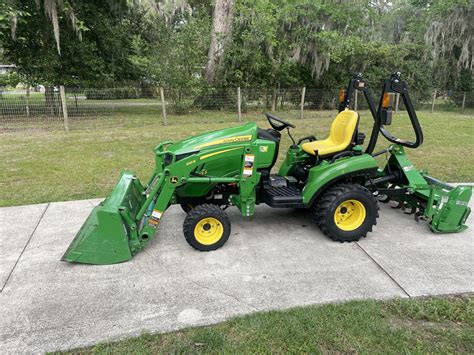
pixel 40 165
pixel 432 325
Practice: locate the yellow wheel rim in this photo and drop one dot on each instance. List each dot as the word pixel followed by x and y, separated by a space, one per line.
pixel 208 231
pixel 349 215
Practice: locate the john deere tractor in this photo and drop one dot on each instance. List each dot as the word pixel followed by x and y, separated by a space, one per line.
pixel 337 179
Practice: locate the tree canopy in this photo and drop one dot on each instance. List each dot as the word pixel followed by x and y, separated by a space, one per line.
pixel 250 43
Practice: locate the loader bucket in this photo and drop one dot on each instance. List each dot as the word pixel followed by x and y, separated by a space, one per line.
pixel 107 236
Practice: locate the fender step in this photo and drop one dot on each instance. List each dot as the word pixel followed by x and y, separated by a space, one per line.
pixel 283 197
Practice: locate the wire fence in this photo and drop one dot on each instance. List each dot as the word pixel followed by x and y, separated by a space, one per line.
pixel 66 107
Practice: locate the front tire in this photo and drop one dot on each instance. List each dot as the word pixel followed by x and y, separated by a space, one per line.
pixel 346 212
pixel 206 227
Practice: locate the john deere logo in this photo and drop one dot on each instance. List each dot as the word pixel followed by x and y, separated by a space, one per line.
pixel 226 140
pixel 174 179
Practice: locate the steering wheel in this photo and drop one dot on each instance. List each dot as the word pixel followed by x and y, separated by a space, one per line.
pixel 279 127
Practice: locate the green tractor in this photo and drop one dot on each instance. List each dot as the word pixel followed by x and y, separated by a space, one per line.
pixel 339 181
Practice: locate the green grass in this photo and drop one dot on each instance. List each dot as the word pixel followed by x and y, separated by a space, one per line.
pixel 42 165
pixel 434 325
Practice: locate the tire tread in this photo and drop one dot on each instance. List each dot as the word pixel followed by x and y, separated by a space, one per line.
pixel 199 212
pixel 323 205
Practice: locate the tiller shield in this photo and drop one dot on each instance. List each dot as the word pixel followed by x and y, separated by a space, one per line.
pixel 445 207
pixel 109 235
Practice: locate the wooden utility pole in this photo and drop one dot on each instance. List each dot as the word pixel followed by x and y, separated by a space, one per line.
pixel 433 103
pixel 463 102
pixel 62 93
pixel 163 106
pixel 239 104
pixel 303 94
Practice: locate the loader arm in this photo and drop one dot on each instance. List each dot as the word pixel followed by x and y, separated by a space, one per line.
pixel 126 221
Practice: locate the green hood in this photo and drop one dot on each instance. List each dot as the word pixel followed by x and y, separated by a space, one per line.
pixel 239 134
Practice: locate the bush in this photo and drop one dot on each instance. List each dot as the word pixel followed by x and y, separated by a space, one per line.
pixel 10 79
pixel 113 94
pixel 216 99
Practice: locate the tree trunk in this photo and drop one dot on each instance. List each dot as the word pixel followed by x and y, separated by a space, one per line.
pixel 221 27
pixel 75 101
pixel 282 99
pixel 49 103
pixel 28 101
pixel 274 99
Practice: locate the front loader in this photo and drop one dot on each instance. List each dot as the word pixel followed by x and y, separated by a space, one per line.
pixel 334 177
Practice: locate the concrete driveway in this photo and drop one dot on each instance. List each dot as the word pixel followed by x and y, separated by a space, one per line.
pixel 278 259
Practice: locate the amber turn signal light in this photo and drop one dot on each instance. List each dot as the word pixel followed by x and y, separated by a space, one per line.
pixel 387 100
pixel 342 95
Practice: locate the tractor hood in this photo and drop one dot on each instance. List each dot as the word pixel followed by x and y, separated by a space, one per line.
pixel 239 134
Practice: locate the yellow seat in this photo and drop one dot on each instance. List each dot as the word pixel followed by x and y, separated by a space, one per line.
pixel 340 136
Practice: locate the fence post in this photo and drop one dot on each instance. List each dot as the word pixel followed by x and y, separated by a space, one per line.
pixel 397 101
pixel 463 102
pixel 239 104
pixel 63 102
pixel 356 97
pixel 303 94
pixel 163 107
pixel 433 103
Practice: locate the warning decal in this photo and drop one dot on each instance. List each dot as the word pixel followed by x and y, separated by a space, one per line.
pixel 156 214
pixel 248 165
pixel 154 218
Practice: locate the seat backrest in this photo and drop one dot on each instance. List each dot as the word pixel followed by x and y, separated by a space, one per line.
pixel 343 127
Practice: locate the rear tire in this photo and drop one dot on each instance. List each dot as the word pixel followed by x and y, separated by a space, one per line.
pixel 206 227
pixel 346 212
